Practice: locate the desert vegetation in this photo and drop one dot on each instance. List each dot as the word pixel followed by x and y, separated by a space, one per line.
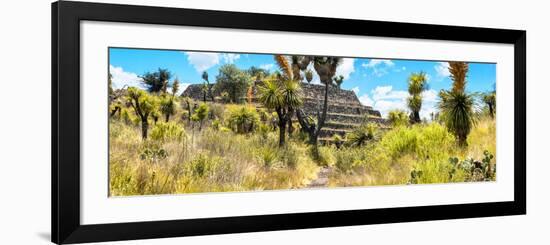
pixel 249 130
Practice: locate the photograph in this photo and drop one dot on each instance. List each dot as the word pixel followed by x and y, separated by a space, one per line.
pixel 205 121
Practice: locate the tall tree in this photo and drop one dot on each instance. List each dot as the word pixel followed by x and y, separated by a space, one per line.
pixel 156 81
pixel 234 81
pixel 417 84
pixel 325 67
pixel 205 86
pixel 282 94
pixel 143 105
pixel 457 108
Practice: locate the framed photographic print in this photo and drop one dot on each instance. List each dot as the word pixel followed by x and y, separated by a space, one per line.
pixel 176 122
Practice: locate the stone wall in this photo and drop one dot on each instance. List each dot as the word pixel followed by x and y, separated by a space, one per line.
pixel 345 111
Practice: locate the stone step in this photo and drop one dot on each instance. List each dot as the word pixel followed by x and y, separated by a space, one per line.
pixel 329 132
pixel 343 108
pixel 340 125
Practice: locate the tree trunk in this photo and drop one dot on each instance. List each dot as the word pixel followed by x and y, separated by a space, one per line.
pixel 167 117
pixel 144 127
pixel 321 121
pixel 417 117
pixel 282 127
pixel 117 108
pixel 491 112
pixel 289 120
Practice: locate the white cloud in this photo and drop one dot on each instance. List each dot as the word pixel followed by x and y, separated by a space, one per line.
pixel 366 100
pixel 429 103
pixel 379 66
pixel 346 68
pixel 375 62
pixel 442 69
pixel 355 90
pixel 121 78
pixel 385 106
pixel 387 93
pixel 385 99
pixel 230 58
pixel 202 61
pixel 267 66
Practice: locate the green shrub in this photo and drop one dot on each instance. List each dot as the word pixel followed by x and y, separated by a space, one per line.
pixel 243 119
pixel 203 165
pixel 268 156
pixel 326 156
pixel 362 134
pixel 167 131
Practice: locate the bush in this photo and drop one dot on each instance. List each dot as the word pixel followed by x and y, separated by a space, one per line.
pixel 268 156
pixel 326 156
pixel 243 119
pixel 167 131
pixel 362 134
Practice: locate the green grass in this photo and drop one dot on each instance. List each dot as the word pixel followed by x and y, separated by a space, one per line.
pixel 177 157
pixel 402 150
pixel 205 161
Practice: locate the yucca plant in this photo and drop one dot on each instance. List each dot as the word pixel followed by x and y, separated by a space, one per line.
pixel 243 119
pixel 458 108
pixel 362 134
pixel 325 67
pixel 281 93
pixel 168 107
pixel 490 100
pixel 144 105
pixel 417 84
pixel 309 76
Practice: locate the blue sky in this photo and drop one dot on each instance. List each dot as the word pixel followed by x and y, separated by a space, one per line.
pixel 380 83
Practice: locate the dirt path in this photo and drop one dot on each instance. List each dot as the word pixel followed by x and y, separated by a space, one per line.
pixel 322 178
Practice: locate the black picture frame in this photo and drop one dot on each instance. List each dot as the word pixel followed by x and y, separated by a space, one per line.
pixel 65 140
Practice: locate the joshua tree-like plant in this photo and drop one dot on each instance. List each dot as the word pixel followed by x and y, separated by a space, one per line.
pixel 156 81
pixel 457 108
pixel 175 87
pixel 325 67
pixel 309 76
pixel 282 94
pixel 338 80
pixel 168 106
pixel 490 100
pixel 200 114
pixel 143 105
pixel 205 86
pixel 417 84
